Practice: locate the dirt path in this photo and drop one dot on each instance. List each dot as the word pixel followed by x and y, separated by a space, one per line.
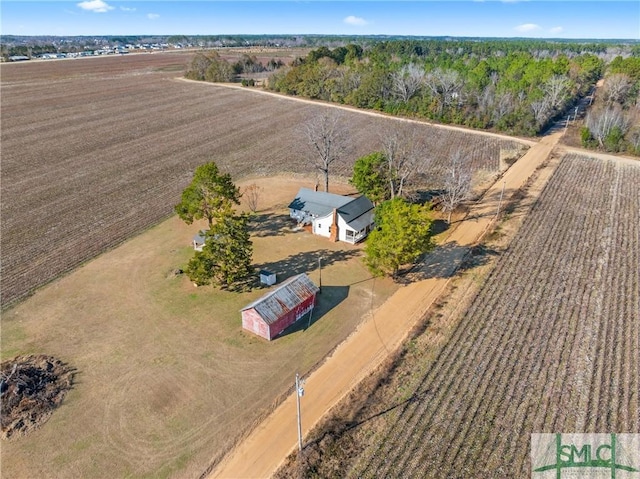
pixel 561 149
pixel 265 449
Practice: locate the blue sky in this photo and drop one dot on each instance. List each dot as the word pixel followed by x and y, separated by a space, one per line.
pixel 488 18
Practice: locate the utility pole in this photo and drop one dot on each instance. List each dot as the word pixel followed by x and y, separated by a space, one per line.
pixel 320 272
pixel 299 394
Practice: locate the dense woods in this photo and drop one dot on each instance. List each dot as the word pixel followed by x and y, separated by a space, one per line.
pixel 613 123
pixel 514 86
pixel 519 87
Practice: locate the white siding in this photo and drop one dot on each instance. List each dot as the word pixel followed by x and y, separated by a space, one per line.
pixel 343 227
pixel 321 226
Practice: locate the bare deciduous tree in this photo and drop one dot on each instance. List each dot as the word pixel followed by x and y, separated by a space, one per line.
pixel 252 193
pixel 522 96
pixel 327 138
pixel 557 90
pixel 615 88
pixel 343 83
pixel 405 154
pixel 541 110
pixel 407 81
pixel 504 105
pixel 601 122
pixel 354 80
pixel 456 182
pixel 494 105
pixel 445 85
pixel 486 99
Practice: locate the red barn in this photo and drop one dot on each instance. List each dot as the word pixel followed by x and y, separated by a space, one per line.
pixel 280 308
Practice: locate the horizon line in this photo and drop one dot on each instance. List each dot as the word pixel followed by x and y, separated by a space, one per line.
pixel 339 35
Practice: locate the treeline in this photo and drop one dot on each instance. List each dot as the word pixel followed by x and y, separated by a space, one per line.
pixel 487 47
pixel 210 66
pixel 613 123
pixel 36 45
pixel 27 51
pixel 514 86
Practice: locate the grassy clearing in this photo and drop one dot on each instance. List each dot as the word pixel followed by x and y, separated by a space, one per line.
pixel 167 380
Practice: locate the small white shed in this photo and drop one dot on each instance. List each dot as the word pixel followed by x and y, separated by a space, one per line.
pixel 198 241
pixel 267 277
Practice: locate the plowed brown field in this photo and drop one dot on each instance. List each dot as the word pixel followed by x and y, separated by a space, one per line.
pixel 550 344
pixel 96 150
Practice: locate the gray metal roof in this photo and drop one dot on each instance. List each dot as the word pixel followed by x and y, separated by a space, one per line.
pixel 284 298
pixel 200 237
pixel 361 222
pixel 355 209
pixel 318 203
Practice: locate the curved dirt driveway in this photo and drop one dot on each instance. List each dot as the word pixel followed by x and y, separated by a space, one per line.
pixel 265 449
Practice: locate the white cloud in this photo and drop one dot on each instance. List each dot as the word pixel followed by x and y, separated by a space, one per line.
pixel 527 27
pixel 357 21
pixel 153 16
pixel 127 9
pixel 556 30
pixel 97 6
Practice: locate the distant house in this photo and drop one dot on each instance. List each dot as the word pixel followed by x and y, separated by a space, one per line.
pixel 337 217
pixel 280 308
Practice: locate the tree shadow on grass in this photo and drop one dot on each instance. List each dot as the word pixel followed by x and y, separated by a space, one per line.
pixel 329 298
pixel 446 260
pixel 425 196
pixel 305 262
pixel 263 225
pixel 439 226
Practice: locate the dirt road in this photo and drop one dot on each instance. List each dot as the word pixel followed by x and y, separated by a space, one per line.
pixel 267 446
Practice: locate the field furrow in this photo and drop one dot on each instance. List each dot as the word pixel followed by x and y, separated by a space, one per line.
pixel 95 151
pixel 549 344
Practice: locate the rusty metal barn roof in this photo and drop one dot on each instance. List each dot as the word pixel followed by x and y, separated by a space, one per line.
pixel 283 299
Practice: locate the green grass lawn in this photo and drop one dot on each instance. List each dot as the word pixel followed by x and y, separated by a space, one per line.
pixel 167 381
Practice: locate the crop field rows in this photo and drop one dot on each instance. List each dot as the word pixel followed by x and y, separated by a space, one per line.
pixel 96 150
pixel 550 344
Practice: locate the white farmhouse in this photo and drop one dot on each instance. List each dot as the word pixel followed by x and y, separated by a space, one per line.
pixel 337 217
